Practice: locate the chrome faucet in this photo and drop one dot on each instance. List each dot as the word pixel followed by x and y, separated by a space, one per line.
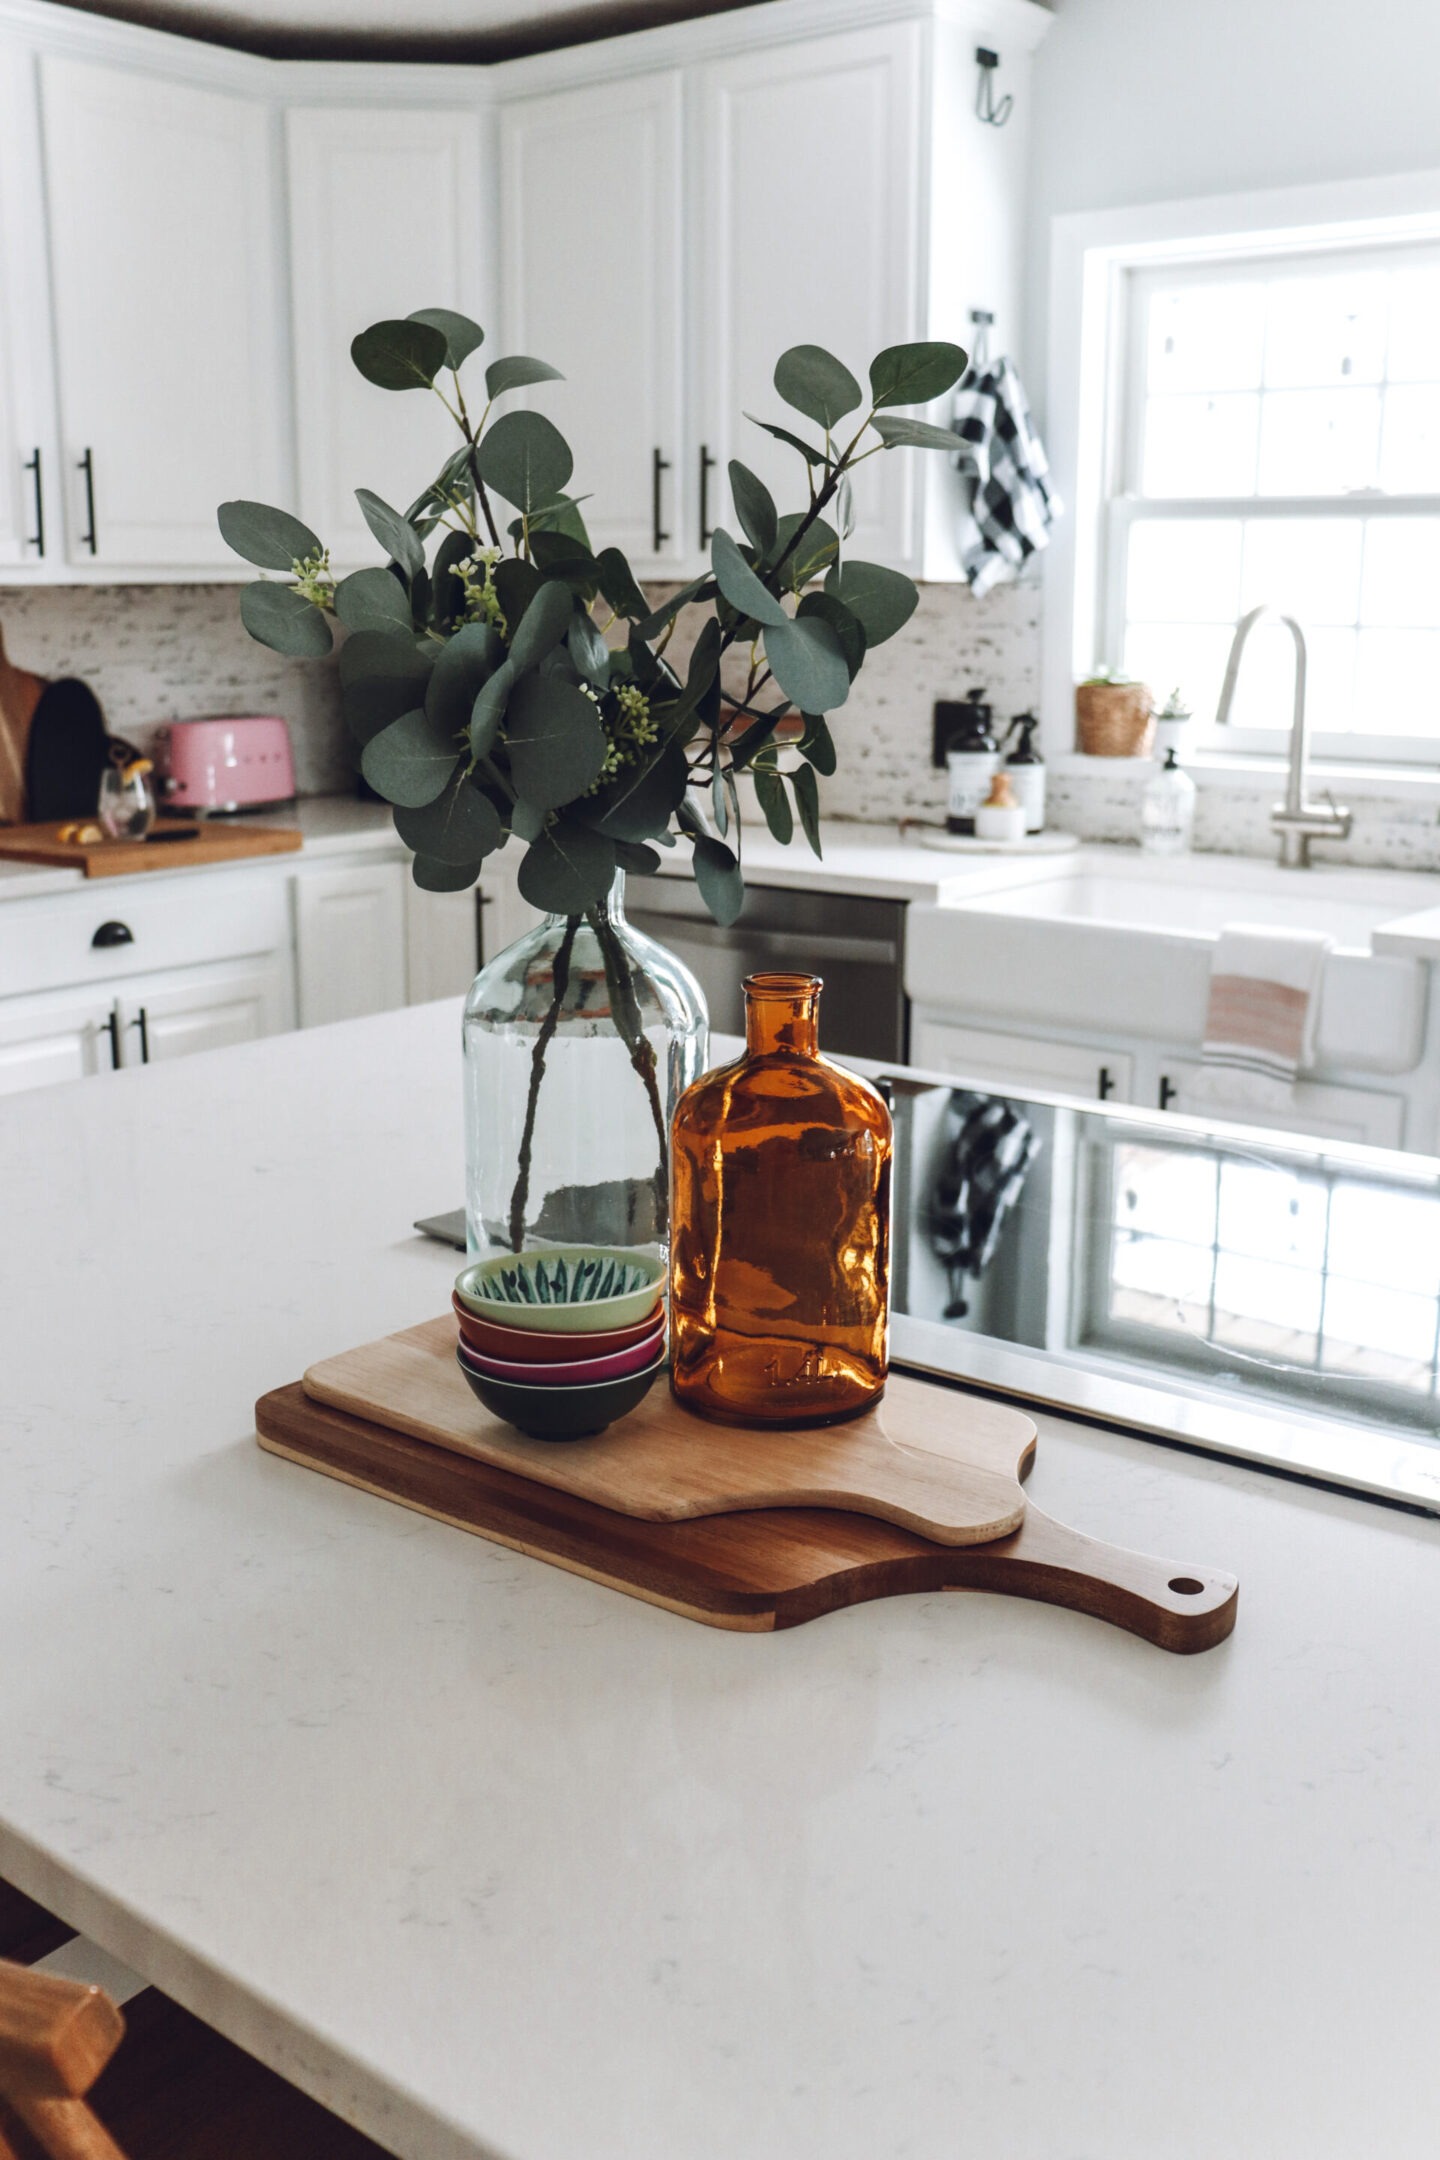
pixel 1297 821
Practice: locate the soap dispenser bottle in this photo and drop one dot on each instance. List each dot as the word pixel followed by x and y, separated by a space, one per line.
pixel 1025 770
pixel 1167 811
pixel 971 755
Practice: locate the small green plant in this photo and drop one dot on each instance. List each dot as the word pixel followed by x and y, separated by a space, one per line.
pixel 564 1282
pixel 1174 708
pixel 1115 677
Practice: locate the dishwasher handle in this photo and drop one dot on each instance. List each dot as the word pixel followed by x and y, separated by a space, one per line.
pixel 771 944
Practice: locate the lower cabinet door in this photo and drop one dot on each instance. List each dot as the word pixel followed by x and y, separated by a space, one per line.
pixel 204 1008
pixel 1321 1111
pixel 1021 1061
pixel 442 942
pixel 56 1035
pixel 350 942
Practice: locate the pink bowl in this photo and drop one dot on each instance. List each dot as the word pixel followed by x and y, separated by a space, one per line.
pixel 574 1372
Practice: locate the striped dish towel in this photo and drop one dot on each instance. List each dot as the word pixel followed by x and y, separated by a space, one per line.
pixel 1261 1021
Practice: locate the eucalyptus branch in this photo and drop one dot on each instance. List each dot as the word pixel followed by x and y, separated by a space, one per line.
pixel 625 1011
pixel 560 980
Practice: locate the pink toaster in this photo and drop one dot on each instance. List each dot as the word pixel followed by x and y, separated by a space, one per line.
pixel 225 761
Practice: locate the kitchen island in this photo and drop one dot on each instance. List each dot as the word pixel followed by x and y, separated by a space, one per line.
pixel 497 1862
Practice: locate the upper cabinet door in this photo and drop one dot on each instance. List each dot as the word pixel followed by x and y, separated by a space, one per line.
pixel 30 535
pixel 593 265
pixel 385 218
pixel 161 216
pixel 809 235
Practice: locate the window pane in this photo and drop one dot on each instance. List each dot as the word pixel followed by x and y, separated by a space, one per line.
pixel 1267 1308
pixel 1207 337
pixel 1310 567
pixel 1397 682
pixel 1189 657
pixel 1326 329
pixel 1272 1214
pixel 1388 1236
pixel 1200 445
pixel 1414 354
pixel 1184 570
pixel 1410 441
pixel 1402 571
pixel 1318 442
pixel 1161 1189
pixel 1359 1317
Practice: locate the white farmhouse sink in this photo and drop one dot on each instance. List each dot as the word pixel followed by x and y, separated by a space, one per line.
pixel 1108 940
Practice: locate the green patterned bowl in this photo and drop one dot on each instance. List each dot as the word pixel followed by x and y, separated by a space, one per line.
pixel 563 1289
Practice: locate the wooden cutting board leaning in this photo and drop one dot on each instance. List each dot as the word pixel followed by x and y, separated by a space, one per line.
pixel 19 695
pixel 738 1528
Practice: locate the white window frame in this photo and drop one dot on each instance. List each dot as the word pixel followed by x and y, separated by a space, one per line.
pixel 1092 258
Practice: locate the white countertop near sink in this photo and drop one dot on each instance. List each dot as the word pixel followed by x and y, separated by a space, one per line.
pixel 507 1866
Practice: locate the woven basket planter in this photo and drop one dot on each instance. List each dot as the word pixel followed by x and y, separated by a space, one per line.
pixel 1114 719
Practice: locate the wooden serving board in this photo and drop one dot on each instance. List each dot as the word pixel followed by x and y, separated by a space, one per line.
pixel 214 843
pixel 944 1465
pixel 760 1569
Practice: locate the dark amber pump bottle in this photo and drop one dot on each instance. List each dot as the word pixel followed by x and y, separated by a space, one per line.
pixel 780 1226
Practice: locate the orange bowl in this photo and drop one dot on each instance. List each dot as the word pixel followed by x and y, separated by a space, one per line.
pixel 526 1346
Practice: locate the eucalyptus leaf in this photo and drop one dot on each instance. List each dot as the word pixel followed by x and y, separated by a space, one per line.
pixel 561 516
pixel 541 627
pixel 845 507
pixel 895 431
pixel 516 583
pixel 640 804
pixel 775 803
pixel 812 554
pixel 617 583
pixel 395 533
pixel 410 761
pixel 739 584
pixel 881 599
pixel 589 651
pixel 807 802
pixel 554 738
pixel 448 592
pixel 754 506
pixel 826 608
pixel 720 804
pixel 651 625
pixel 489 710
pixel 463 666
pixel 454 478
pixel 817 744
pixel 806 660
pixel 372 600
pixel 285 621
pixel 516 372
pixel 914 374
pixel 400 355
pixel 272 539
pixel 460 334
pixel 634 857
pixel 382 674
pixel 816 384
pixel 432 875
pixel 811 455
pixel 570 868
pixel 527 822
pixel 525 458
pixel 459 827
pixel 749 745
pixel 717 873
pixel 560 555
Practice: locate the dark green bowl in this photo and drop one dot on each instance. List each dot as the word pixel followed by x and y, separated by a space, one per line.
pixel 562 1413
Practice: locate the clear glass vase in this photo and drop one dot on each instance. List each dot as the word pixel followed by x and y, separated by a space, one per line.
pixel 579 1040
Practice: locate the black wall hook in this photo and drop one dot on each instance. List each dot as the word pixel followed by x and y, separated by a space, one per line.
pixel 986 109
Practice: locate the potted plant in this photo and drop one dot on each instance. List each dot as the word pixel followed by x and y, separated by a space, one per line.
pixel 1114 715
pixel 507 682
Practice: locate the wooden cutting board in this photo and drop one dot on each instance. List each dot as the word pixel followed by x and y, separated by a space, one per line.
pixel 942 1464
pixel 757 1570
pixel 19 695
pixel 214 843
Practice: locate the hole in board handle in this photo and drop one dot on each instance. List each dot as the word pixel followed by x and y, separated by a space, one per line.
pixel 1186 1586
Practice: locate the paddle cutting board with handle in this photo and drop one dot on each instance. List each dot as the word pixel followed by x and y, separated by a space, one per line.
pixel 206 842
pixel 944 1465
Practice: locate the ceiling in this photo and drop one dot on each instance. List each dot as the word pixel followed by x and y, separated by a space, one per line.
pixel 400 29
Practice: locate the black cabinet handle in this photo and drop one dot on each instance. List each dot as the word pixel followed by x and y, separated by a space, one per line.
pixel 87 466
pixel 142 1021
pixel 1105 1087
pixel 658 534
pixel 707 466
pixel 112 1029
pixel 113 933
pixel 1168 1092
pixel 37 538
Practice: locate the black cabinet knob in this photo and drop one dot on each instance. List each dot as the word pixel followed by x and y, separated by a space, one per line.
pixel 113 933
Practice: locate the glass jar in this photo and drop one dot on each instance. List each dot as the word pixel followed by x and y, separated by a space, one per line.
pixel 779 1266
pixel 579 1040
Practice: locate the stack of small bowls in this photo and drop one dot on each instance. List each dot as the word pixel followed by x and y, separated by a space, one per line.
pixel 562 1341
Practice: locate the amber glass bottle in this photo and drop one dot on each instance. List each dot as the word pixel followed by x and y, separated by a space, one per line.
pixel 780 1226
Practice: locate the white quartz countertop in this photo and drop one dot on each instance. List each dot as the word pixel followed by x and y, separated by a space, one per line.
pixel 499 1862
pixel 329 824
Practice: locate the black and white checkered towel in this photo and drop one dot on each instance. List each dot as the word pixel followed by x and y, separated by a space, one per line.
pixel 1011 505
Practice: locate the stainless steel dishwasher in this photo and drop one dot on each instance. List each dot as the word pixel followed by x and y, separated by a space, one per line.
pixel 856 945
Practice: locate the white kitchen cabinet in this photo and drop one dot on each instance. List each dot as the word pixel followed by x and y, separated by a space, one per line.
pixel 386 216
pixel 593 245
pixel 1321 1109
pixel 835 263
pixel 1021 1061
pixel 442 942
pixel 29 466
pixel 204 1008
pixel 350 942
pixel 57 1035
pixel 160 207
